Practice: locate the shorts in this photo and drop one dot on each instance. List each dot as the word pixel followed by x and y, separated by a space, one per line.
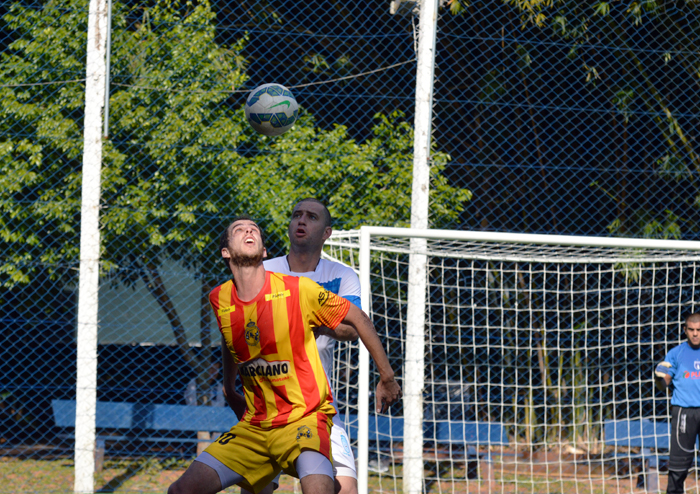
pixel 260 454
pixel 343 458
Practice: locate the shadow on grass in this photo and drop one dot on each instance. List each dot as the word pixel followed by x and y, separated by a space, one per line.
pixel 114 484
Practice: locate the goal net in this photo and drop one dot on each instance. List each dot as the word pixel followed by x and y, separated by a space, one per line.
pixel 530 346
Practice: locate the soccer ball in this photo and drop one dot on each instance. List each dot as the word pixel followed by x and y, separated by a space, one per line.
pixel 271 109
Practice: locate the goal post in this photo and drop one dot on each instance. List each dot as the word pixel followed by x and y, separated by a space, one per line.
pixel 546 337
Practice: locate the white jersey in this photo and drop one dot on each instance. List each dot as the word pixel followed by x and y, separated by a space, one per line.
pixel 334 277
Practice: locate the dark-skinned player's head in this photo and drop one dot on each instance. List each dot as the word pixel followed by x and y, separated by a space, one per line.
pixel 328 219
pixel 309 226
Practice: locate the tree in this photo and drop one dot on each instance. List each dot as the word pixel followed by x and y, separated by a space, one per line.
pixel 180 160
pixel 646 81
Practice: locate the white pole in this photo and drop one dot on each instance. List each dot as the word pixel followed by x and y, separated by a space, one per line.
pixel 531 238
pixel 363 378
pixel 414 365
pixel 108 49
pixel 86 385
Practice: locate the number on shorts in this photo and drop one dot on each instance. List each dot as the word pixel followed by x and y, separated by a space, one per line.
pixel 225 438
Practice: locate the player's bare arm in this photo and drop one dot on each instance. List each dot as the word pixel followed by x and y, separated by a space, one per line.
pixel 388 390
pixel 344 332
pixel 236 401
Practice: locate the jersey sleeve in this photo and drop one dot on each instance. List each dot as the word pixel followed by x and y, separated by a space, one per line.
pixel 326 308
pixel 350 287
pixel 214 304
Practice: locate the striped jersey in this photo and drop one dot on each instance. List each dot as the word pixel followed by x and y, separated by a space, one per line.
pixel 335 277
pixel 271 339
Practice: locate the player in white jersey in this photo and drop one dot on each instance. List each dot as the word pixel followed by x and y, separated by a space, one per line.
pixel 309 228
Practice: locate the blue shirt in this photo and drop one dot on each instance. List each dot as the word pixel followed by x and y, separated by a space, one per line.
pixel 685 374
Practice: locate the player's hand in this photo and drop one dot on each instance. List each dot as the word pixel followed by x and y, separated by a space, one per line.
pixel 663 369
pixel 388 393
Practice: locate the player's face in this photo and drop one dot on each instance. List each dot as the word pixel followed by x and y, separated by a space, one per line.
pixel 245 246
pixel 692 331
pixel 307 227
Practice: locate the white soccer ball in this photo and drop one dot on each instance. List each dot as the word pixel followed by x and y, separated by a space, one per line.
pixel 271 109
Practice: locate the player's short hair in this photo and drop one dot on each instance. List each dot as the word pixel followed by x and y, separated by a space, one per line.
pixel 694 317
pixel 223 239
pixel 326 213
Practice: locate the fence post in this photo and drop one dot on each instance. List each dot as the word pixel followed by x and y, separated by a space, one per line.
pixel 86 375
pixel 363 368
pixel 413 379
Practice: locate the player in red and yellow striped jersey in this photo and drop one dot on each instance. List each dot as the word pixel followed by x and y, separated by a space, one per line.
pixel 266 321
pixel 282 372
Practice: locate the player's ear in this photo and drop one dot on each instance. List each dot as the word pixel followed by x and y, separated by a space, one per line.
pixel 327 233
pixel 264 253
pixel 225 253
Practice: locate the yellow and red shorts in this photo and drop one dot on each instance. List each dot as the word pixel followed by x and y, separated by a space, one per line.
pixel 259 454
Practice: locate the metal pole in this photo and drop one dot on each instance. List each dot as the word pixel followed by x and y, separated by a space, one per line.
pixel 86 333
pixel 363 378
pixel 414 365
pixel 105 132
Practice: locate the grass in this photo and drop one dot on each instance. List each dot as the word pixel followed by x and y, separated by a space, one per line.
pixel 55 476
pixel 151 475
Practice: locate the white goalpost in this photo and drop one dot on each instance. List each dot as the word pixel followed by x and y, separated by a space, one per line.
pixel 531 345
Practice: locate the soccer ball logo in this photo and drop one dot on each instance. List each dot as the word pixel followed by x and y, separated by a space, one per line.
pixel 271 109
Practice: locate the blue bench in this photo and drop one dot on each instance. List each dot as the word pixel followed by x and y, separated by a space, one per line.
pixel 472 433
pixel 448 431
pixel 141 417
pixel 456 440
pixel 380 428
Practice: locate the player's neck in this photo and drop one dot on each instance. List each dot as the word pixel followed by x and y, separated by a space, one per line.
pixel 249 280
pixel 303 262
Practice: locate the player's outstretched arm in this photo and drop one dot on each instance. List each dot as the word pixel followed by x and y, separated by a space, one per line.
pixel 388 390
pixel 236 401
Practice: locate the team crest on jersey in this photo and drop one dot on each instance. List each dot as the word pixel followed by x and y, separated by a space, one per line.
pixel 252 334
pixel 696 364
pixel 323 298
pixel 304 431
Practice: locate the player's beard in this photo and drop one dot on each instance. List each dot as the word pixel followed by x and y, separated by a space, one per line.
pixel 246 261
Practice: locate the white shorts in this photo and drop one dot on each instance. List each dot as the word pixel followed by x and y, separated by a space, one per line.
pixel 343 459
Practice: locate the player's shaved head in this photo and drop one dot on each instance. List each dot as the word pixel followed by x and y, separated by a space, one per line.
pixel 328 219
pixel 694 318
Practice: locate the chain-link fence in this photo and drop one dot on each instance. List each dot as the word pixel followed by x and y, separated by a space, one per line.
pixel 548 117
